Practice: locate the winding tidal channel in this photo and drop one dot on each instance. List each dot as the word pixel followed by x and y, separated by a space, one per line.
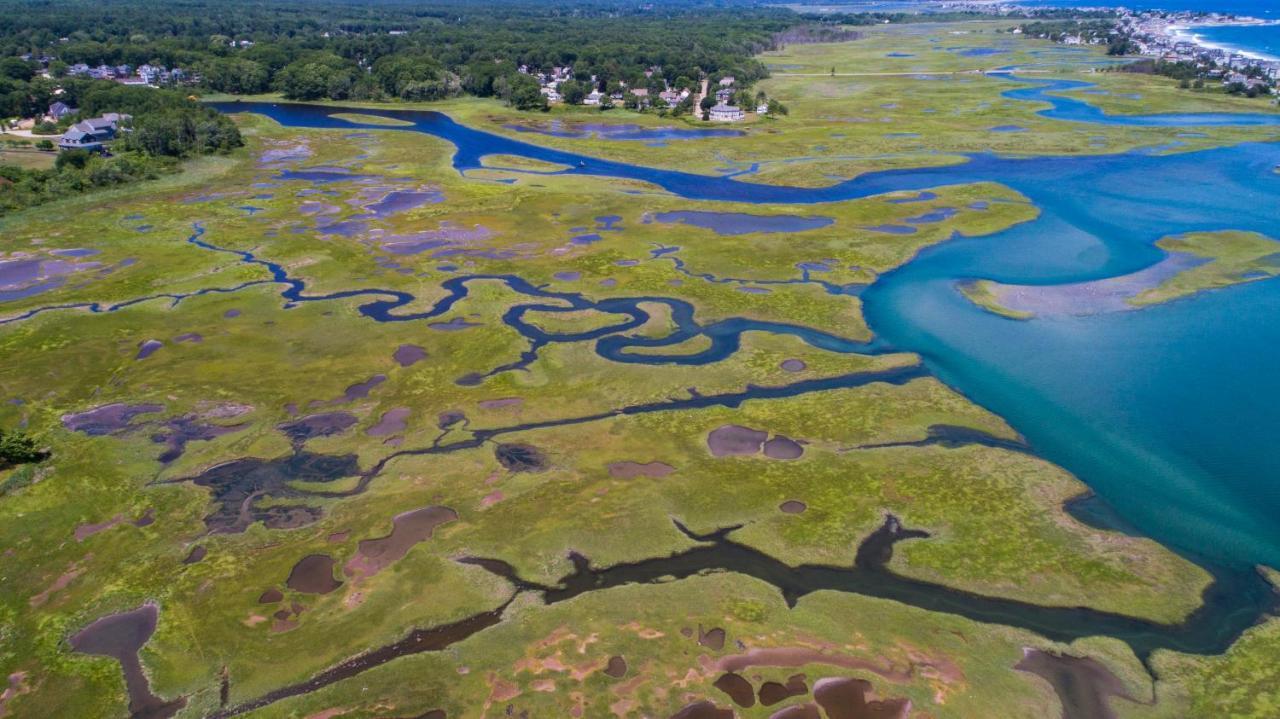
pixel 1167 413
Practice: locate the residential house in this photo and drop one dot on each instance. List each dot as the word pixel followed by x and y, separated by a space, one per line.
pixel 59 110
pixel 762 108
pixel 92 134
pixel 726 113
pixel 593 98
pixel 726 81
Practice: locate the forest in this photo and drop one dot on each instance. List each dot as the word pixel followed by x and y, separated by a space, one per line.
pixel 384 50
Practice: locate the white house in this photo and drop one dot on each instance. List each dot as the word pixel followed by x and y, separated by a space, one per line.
pixel 762 108
pixel 726 113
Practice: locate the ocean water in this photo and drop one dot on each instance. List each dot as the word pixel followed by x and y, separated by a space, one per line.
pixel 1261 40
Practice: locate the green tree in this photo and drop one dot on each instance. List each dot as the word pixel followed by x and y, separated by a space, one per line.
pixel 573 91
pixel 17 448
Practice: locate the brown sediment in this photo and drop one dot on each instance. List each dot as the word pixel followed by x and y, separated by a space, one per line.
pixel 121 636
pixel 703 710
pixel 616 667
pixel 631 470
pixel 407 529
pixel 800 656
pixel 781 447
pixel 712 638
pixel 84 531
pixel 773 692
pixel 60 583
pixel 731 439
pixel 793 506
pixel 1083 684
pixel 17 687
pixel 313 574
pixel 846 698
pixel 738 689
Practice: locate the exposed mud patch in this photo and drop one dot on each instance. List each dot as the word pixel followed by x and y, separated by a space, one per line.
pixel 1083 684
pixel 738 689
pixel 616 667
pixel 631 470
pixel 407 529
pixel 313 574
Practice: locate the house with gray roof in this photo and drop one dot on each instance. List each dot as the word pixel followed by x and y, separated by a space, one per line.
pixel 93 134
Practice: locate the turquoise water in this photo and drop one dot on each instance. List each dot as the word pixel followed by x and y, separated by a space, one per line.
pixel 1168 413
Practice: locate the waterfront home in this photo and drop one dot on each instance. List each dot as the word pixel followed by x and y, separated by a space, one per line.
pixel 726 113
pixel 92 134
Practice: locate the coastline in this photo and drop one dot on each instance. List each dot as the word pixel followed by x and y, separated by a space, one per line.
pixel 1193 34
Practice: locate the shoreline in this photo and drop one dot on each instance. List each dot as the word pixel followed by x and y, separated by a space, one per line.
pixel 1190 33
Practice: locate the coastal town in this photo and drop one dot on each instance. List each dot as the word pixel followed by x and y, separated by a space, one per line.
pixel 1171 37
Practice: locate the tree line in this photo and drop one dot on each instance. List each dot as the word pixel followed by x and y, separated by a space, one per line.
pixel 343 49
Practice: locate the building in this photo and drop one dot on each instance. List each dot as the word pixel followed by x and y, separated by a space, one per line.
pixel 59 110
pixel 762 108
pixel 92 134
pixel 726 81
pixel 726 113
pixel 593 98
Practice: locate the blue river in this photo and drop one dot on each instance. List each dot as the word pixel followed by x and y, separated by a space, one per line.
pixel 1169 414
